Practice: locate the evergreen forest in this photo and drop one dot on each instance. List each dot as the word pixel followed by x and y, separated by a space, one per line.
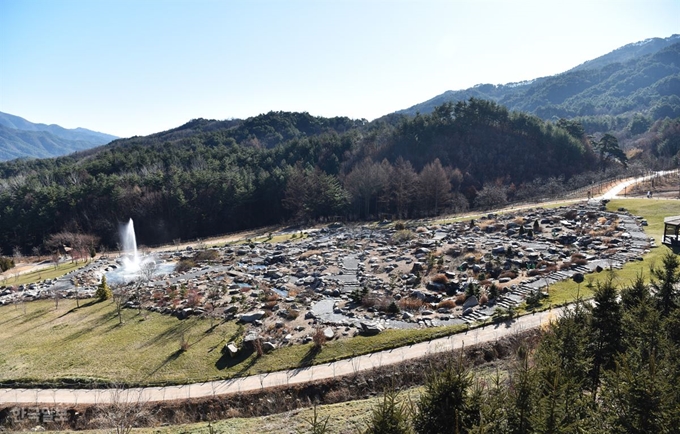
pixel 213 177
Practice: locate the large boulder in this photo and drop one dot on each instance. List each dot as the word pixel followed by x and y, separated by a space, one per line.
pixel 252 316
pixel 268 346
pixel 471 301
pixel 370 329
pixel 231 349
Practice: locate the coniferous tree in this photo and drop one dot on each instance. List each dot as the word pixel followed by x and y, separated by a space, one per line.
pixel 103 292
pixel 664 282
pixel 391 415
pixel 444 405
pixel 605 328
pixel 522 389
pixel 562 366
pixel 434 187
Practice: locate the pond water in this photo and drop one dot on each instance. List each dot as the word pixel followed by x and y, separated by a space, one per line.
pixel 122 275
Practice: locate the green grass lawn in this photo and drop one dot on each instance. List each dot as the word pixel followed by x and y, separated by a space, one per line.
pixel 41 344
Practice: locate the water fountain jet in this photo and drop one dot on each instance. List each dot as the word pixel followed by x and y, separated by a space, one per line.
pixel 131 260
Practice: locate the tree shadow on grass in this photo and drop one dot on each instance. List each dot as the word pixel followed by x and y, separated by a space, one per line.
pixel 244 357
pixel 171 358
pixel 310 355
pixel 507 322
pixel 74 309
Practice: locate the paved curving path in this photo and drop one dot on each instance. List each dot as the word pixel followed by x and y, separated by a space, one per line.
pixel 366 362
pixel 613 193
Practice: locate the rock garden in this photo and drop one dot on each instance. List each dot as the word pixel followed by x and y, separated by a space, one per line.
pixel 337 281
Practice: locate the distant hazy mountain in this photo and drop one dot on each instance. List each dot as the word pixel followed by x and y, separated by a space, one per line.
pixel 21 138
pixel 643 77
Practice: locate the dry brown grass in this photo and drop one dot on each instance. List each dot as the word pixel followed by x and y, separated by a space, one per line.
pixel 483 224
pixel 440 278
pixel 411 304
pixel 310 253
pixel 508 273
pixel 447 304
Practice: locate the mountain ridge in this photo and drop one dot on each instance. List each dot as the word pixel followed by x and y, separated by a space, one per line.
pixel 21 138
pixel 641 77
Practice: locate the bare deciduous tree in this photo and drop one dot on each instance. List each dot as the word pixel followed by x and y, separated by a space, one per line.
pixel 120 297
pixel 126 410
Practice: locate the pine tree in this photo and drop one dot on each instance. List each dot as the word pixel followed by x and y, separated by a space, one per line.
pixel 444 405
pixel 522 386
pixel 103 291
pixel 664 281
pixel 390 416
pixel 606 328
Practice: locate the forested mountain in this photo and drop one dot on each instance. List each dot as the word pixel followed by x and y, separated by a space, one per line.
pixel 21 138
pixel 210 177
pixel 640 78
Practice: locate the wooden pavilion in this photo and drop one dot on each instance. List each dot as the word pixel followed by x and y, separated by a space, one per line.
pixel 671 233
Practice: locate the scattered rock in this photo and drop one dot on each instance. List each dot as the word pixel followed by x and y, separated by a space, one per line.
pixel 252 316
pixel 370 329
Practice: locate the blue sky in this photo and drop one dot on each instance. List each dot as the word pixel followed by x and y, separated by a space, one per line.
pixel 135 67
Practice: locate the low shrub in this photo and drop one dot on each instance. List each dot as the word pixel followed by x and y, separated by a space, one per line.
pixel 460 298
pixel 402 236
pixel 508 273
pixel 411 304
pixel 6 263
pixel 447 304
pixel 318 338
pixel 440 278
pixel 184 265
pixel 206 255
pixel 579 259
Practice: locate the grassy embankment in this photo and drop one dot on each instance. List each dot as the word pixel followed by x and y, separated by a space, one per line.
pixel 343 418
